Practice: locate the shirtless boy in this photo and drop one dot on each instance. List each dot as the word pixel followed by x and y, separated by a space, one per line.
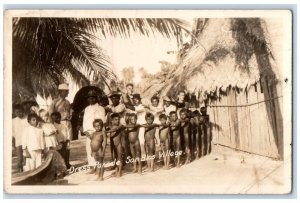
pixel 164 136
pixel 98 145
pixel 175 135
pixel 150 129
pixel 185 130
pixel 116 136
pixel 132 131
pixel 205 129
pixel 195 121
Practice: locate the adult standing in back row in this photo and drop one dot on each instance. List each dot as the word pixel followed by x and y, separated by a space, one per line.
pixel 127 98
pixel 181 101
pixel 63 106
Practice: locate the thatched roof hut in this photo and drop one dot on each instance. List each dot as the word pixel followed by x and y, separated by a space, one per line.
pixel 225 55
pixel 234 60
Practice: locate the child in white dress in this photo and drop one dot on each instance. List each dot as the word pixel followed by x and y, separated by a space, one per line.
pixel 49 130
pixel 33 143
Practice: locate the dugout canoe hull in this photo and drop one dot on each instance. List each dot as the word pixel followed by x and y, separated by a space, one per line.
pixel 44 174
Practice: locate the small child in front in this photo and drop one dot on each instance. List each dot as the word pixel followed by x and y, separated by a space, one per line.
pixel 185 130
pixel 132 131
pixel 49 130
pixel 116 134
pixel 98 145
pixel 164 136
pixel 33 142
pixel 205 131
pixel 150 129
pixel 175 133
pixel 195 122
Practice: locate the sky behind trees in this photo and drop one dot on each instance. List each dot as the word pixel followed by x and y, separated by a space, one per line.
pixel 139 51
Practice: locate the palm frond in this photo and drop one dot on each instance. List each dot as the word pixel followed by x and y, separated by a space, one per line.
pixel 125 27
pixel 47 48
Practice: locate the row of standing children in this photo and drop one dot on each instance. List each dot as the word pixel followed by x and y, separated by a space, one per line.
pixel 180 131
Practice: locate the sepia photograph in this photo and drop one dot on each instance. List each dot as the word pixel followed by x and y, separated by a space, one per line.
pixel 148 101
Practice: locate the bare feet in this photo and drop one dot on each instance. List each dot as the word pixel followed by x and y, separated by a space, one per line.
pixel 99 179
pixel 90 171
pixel 197 155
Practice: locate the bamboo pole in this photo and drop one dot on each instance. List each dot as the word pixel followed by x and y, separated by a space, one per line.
pixel 229 120
pixel 239 123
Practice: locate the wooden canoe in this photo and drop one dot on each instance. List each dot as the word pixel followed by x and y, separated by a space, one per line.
pixel 43 174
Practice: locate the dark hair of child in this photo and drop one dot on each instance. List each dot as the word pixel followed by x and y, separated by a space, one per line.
pixel 149 115
pixel 114 115
pixel 154 98
pixel 57 114
pixel 183 111
pixel 32 115
pixel 195 113
pixel 162 116
pixel 133 115
pixel 98 121
pixel 172 112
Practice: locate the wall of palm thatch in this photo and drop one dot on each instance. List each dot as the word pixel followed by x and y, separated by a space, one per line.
pixel 232 66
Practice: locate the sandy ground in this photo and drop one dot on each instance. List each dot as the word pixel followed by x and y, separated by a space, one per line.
pixel 223 171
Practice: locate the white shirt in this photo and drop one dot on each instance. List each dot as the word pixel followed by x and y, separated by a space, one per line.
pixel 62 106
pixel 48 129
pixel 33 138
pixel 169 109
pixel 91 113
pixel 50 134
pixel 156 111
pixel 140 111
pixel 18 126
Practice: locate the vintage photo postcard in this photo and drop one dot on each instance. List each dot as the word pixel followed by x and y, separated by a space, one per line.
pixel 148 101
